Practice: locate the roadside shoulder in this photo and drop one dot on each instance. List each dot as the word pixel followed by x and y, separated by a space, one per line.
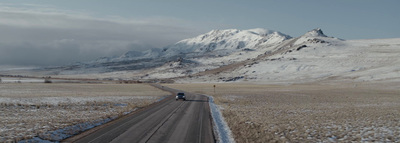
pixel 222 131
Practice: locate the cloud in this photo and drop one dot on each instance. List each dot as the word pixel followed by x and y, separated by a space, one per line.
pixel 40 35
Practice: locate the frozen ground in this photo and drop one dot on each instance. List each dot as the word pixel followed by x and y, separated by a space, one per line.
pixel 54 112
pixel 314 112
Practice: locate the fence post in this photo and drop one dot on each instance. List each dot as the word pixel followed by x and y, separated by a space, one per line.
pixel 214 89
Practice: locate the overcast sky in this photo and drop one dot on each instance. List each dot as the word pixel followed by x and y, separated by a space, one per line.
pixel 56 32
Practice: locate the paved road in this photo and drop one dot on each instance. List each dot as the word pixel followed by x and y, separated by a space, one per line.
pixel 169 121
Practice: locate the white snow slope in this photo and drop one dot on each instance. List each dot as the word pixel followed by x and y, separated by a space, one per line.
pixel 314 56
pixel 224 42
pixel 213 50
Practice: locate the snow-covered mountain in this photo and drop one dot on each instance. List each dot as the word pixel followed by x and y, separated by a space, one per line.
pixel 214 44
pixel 224 42
pixel 315 33
pixel 254 55
pixel 315 57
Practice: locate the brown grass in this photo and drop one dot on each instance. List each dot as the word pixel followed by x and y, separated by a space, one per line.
pixel 28 110
pixel 307 112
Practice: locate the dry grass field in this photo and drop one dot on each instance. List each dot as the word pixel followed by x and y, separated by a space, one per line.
pixel 36 109
pixel 317 112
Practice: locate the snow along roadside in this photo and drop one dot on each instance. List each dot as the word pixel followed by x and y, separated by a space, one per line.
pixel 222 132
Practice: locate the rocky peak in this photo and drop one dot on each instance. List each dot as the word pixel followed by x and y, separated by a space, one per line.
pixel 315 33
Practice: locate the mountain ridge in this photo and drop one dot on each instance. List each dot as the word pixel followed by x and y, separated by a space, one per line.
pixel 254 55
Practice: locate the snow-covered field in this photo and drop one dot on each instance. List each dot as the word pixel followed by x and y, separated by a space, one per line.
pixel 314 112
pixel 56 111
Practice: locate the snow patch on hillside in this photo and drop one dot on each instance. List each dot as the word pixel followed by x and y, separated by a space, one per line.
pixel 356 60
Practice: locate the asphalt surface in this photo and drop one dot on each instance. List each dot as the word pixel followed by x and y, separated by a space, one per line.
pixel 168 121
